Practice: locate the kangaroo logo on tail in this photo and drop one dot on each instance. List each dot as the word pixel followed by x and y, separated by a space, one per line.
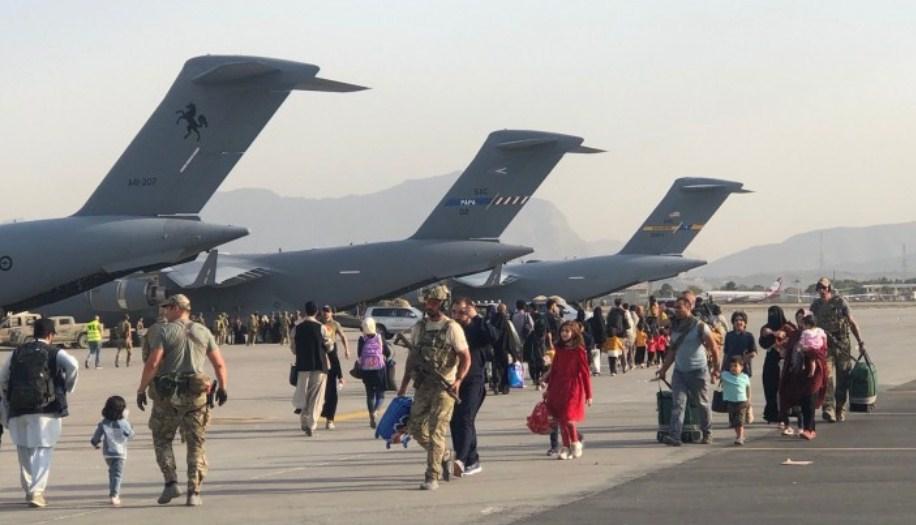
pixel 193 120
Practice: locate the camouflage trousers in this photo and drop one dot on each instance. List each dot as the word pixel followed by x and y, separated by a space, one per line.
pixel 839 369
pixel 430 415
pixel 190 415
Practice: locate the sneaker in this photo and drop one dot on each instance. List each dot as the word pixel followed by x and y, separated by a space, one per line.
pixel 577 450
pixel 812 434
pixel 565 453
pixel 37 501
pixel 170 492
pixel 841 416
pixel 448 465
pixel 100 368
pixel 329 425
pixel 194 500
pixel 551 452
pixel 788 431
pixel 828 417
pixel 458 468
pixel 473 469
pixel 372 423
pixel 613 374
pixel 115 501
pixel 429 485
pixel 671 442
pixel 804 435
pixel 707 439
pixel 739 441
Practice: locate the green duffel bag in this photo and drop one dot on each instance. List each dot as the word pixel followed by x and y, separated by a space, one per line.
pixel 863 384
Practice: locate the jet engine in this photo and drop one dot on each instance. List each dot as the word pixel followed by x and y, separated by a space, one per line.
pixel 124 295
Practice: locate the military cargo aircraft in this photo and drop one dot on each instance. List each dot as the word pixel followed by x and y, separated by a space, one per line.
pixel 143 216
pixel 460 237
pixel 653 253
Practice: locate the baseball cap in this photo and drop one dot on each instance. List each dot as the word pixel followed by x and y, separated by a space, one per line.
pixel 180 300
pixel 823 282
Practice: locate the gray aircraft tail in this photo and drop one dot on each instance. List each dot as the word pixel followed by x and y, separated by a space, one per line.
pixel 500 180
pixel 680 216
pixel 208 119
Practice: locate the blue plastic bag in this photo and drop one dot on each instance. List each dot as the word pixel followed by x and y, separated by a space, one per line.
pixel 517 375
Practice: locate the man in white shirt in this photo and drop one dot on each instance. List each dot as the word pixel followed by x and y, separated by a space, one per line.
pixel 35 408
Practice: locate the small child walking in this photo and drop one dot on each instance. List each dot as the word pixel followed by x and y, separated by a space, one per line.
pixel 569 388
pixel 112 435
pixel 736 391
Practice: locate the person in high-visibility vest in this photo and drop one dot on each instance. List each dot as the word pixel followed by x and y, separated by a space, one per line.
pixel 94 338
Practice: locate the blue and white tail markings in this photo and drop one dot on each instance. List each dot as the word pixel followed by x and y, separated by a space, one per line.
pixel 501 179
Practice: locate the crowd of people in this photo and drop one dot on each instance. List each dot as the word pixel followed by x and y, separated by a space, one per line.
pixel 453 362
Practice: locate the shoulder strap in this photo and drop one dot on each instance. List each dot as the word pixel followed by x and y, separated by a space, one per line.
pixel 680 339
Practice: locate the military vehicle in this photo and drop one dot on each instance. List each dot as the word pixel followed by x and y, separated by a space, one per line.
pixel 654 252
pixel 67 332
pixel 459 237
pixel 15 323
pixel 143 216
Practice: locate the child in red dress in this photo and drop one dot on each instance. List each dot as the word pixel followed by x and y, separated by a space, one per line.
pixel 569 388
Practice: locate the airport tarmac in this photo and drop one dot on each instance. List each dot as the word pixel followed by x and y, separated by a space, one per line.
pixel 263 469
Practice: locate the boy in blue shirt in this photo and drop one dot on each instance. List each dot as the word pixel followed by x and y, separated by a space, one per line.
pixel 736 391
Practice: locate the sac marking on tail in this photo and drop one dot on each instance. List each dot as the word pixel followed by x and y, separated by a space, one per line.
pixel 193 120
pixel 6 263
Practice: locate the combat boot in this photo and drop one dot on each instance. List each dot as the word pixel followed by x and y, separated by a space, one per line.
pixel 448 465
pixel 169 492
pixel 430 484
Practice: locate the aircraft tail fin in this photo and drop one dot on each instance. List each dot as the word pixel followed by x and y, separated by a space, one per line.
pixel 500 180
pixel 680 216
pixel 210 116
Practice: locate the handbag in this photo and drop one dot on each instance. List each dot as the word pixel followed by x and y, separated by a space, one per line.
pixel 391 375
pixel 356 372
pixel 718 401
pixel 293 375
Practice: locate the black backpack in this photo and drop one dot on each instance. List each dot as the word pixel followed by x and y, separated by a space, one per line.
pixel 31 384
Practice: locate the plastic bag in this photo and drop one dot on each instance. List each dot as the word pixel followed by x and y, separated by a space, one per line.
pixel 540 422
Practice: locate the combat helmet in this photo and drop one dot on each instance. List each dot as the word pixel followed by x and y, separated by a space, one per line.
pixel 439 292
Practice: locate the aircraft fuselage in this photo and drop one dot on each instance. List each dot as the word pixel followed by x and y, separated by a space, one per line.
pixel 578 279
pixel 49 260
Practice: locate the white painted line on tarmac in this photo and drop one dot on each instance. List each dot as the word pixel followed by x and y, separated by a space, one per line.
pixel 70 516
pixel 826 449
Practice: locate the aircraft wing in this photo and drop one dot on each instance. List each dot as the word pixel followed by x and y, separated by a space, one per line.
pixel 494 278
pixel 215 271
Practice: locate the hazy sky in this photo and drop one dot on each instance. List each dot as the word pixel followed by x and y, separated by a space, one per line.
pixel 811 104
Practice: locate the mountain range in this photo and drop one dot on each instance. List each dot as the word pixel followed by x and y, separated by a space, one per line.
pixel 297 223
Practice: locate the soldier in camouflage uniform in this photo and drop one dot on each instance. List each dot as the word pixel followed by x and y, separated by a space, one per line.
pixel 831 312
pixel 438 360
pixel 125 341
pixel 179 388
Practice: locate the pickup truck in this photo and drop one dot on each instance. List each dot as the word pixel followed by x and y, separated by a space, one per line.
pixel 15 323
pixel 67 333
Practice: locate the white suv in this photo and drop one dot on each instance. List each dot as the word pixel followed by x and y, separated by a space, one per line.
pixel 392 320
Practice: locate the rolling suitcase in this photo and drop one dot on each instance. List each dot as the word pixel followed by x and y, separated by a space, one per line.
pixel 690 433
pixel 393 426
pixel 863 384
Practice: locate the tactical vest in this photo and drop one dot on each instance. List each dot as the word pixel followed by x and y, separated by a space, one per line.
pixel 434 359
pixel 830 318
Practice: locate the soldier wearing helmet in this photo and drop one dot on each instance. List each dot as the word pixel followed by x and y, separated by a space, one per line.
pixel 831 313
pixel 437 363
